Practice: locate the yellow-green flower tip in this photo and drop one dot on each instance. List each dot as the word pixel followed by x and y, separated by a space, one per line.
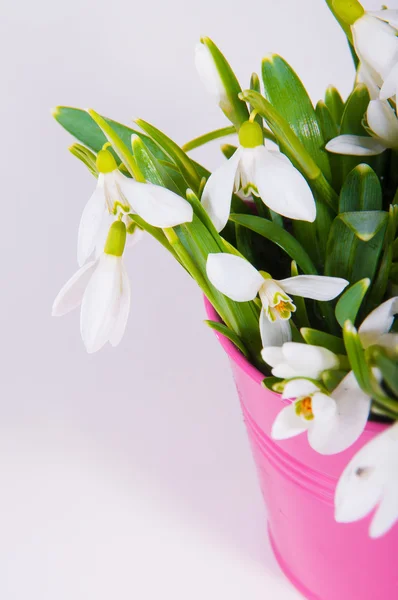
pixel 116 239
pixel 348 10
pixel 250 135
pixel 105 162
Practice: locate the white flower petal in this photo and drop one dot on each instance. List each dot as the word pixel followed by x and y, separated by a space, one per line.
pixel 288 424
pixel 378 322
pixel 355 145
pixel 309 361
pixel 324 407
pixel 383 122
pixel 101 301
pixel 71 294
pixel 156 205
pixel 390 85
pixel 364 75
pixel 276 333
pixel 296 388
pixel 375 43
pixel 316 287
pixel 386 514
pixel 124 309
pixel 90 222
pixel 352 411
pixel 389 15
pixel 233 276
pixel 272 355
pixel 216 197
pixel 282 187
pixel 208 73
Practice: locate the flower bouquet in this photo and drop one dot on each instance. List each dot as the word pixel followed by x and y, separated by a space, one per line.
pixel 293 241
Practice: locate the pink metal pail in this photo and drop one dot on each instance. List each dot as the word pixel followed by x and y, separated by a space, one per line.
pixel 325 560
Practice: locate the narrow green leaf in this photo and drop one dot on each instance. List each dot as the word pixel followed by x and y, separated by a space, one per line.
pixel 208 137
pixel 326 340
pixel 284 90
pixel 279 236
pixel 152 169
pixel 223 329
pixel 234 109
pixel 335 104
pixel 350 301
pixel 182 160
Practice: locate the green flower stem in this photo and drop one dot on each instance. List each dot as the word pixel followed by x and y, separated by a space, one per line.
pixel 118 145
pixel 208 137
pixel 187 262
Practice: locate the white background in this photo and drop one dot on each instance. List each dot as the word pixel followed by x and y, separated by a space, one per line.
pixel 126 474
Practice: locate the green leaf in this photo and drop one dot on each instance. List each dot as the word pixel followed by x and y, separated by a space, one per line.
pixel 234 109
pixel 208 137
pixel 335 104
pixel 86 156
pixel 300 316
pixel 223 329
pixel 332 378
pixel 177 155
pixel 151 167
pixel 271 382
pixel 279 236
pixel 292 147
pixel 352 119
pixel 365 224
pixel 388 367
pixel 350 301
pixel 284 90
pixel 361 190
pixel 79 124
pixel 326 340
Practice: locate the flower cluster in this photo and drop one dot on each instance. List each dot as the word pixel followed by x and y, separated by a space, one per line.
pixel 293 239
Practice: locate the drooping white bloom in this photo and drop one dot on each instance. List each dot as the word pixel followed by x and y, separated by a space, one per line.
pixel 239 280
pixel 102 288
pixel 254 169
pixel 383 128
pixel 117 194
pixel 370 481
pixel 333 422
pixel 294 359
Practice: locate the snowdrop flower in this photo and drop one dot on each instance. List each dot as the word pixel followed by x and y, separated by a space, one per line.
pixel 102 288
pixel 383 128
pixel 370 481
pixel 332 422
pixel 117 194
pixel 375 41
pixel 294 359
pixel 239 280
pixel 254 169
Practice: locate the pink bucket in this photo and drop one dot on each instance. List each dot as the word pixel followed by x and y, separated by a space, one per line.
pixel 325 560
